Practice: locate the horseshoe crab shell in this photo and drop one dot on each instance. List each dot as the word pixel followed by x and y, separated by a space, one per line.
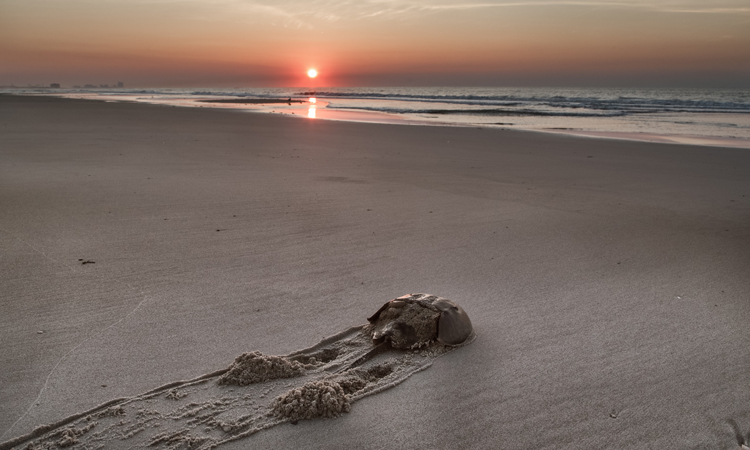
pixel 416 320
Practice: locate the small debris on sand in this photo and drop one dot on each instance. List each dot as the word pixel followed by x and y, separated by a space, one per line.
pixel 174 394
pixel 113 411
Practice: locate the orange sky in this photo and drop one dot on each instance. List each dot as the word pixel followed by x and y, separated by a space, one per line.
pixel 376 42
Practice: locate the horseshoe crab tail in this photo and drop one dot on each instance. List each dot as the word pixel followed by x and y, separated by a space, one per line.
pixel 378 349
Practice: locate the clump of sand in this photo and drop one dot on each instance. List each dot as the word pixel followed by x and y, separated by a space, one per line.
pixel 321 398
pixel 255 367
pixel 327 398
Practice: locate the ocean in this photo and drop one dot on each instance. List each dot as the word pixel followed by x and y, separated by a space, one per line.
pixel 699 116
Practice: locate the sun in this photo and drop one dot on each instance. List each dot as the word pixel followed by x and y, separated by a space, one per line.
pixel 312 73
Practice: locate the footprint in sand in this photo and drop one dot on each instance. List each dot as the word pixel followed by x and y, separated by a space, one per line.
pixel 258 391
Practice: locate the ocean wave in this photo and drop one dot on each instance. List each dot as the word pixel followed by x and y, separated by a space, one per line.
pixel 482 112
pixel 624 104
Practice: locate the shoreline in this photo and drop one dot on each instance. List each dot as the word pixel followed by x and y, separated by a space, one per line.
pixel 606 279
pixel 256 101
pixel 702 141
pixel 317 111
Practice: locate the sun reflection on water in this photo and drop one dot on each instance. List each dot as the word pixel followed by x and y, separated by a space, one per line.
pixel 311 110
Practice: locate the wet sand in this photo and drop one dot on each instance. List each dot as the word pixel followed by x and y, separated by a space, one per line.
pixel 255 101
pixel 607 281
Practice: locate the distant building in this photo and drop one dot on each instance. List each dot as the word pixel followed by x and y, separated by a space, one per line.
pixel 55 85
pixel 120 84
pixel 89 86
pixel 103 85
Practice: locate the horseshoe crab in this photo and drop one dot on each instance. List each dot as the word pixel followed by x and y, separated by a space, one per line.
pixel 416 320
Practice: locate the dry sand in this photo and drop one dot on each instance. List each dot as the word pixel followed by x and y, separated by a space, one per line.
pixel 608 281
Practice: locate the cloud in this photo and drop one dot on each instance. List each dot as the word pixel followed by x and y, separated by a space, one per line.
pixel 677 6
pixel 305 13
pixel 387 9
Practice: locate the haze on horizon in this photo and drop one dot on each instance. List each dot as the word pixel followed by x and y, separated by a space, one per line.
pixel 265 43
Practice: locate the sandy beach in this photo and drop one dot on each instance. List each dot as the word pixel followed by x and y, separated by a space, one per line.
pixel 608 282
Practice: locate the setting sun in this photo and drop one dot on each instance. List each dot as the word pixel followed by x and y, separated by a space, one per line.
pixel 312 73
